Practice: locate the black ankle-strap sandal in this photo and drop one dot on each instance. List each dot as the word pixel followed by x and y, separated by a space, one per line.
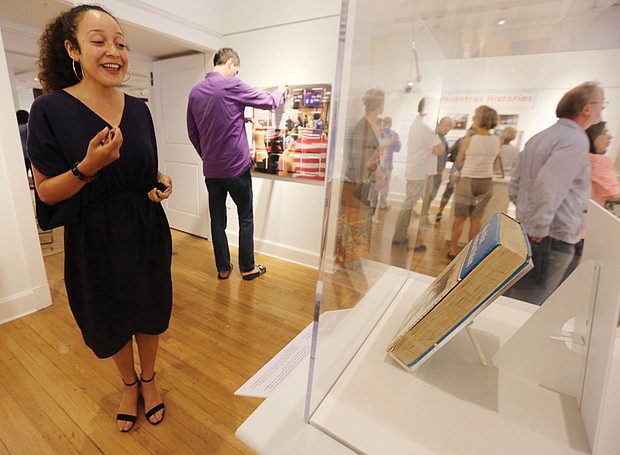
pixel 151 412
pixel 128 417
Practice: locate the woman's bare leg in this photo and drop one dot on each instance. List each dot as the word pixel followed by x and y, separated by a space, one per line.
pixel 129 402
pixel 147 350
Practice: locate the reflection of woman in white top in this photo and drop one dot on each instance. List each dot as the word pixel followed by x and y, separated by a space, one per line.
pixel 475 187
pixel 508 153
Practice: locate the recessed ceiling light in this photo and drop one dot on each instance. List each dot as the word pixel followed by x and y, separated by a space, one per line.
pixel 501 22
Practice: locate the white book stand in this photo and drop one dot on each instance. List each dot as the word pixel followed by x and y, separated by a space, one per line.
pixel 567 345
pixel 550 349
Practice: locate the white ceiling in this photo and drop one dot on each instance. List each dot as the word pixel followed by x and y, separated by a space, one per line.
pixel 471 28
pixel 458 28
pixel 22 22
pixel 34 14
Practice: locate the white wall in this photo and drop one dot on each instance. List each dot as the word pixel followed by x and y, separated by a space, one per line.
pixel 23 283
pixel 288 214
pixel 206 13
pixel 549 76
pixel 546 76
pixel 246 15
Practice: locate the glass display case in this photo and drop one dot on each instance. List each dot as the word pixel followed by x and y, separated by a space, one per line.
pixel 414 65
pixel 445 60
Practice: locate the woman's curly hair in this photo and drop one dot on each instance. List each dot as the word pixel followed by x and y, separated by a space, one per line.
pixel 55 65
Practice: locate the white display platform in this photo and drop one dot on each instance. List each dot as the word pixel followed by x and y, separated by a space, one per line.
pixel 451 404
pixel 277 426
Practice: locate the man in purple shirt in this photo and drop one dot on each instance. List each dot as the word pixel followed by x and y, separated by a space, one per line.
pixel 215 124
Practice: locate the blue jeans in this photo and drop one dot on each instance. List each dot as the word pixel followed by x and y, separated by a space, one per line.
pixel 240 190
pixel 551 259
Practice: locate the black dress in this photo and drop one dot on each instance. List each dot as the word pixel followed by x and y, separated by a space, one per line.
pixel 118 252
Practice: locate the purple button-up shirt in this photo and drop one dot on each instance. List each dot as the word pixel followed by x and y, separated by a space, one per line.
pixel 215 122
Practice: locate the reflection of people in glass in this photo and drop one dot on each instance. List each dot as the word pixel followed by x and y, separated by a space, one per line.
pixel 22 122
pixel 419 150
pixel 394 147
pixel 361 156
pixel 454 172
pixel 436 168
pixel 604 179
pixel 89 140
pixel 286 164
pixel 508 153
pixel 550 188
pixel 378 176
pixel 475 186
pixel 605 185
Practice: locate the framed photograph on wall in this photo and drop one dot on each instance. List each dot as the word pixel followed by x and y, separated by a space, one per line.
pixel 508 120
pixel 291 140
pixel 460 121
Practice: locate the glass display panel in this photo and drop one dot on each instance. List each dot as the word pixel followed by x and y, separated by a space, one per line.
pixel 395 56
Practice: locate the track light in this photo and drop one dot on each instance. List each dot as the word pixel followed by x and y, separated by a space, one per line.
pixel 411 81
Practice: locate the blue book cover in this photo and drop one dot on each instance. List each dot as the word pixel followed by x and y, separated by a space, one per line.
pixel 492 261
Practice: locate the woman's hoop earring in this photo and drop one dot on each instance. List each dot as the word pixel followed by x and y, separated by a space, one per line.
pixel 130 73
pixel 75 72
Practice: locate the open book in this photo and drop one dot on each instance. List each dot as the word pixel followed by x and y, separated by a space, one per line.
pixel 491 262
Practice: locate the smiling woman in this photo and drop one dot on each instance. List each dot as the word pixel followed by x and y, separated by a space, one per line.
pixel 103 188
pixel 100 51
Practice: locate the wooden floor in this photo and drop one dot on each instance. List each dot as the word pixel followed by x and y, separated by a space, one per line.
pixel 57 397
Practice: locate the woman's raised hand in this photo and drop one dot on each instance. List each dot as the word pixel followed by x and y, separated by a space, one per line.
pixel 103 149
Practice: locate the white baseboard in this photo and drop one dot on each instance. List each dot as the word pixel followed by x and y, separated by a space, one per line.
pixel 280 250
pixel 18 305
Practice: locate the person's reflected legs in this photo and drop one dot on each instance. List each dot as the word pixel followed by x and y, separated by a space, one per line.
pixel 414 190
pixel 457 231
pixel 551 259
pixel 475 224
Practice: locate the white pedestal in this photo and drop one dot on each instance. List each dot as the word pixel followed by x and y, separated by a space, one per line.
pixel 453 405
